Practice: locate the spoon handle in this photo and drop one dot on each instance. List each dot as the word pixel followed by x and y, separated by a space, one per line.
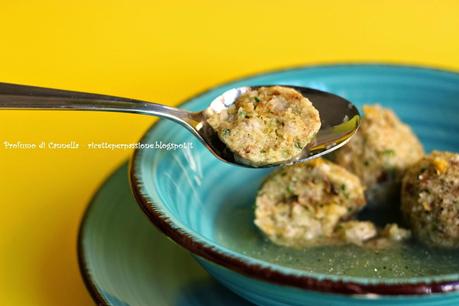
pixel 13 96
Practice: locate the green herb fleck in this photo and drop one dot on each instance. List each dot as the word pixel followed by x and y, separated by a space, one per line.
pixel 226 132
pixel 256 99
pixel 388 152
pixel 298 145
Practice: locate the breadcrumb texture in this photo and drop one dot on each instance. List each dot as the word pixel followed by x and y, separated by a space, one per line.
pixel 301 205
pixel 267 124
pixel 430 199
pixel 387 237
pixel 380 152
pixel 356 232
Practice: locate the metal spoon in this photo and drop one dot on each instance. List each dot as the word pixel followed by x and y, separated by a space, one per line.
pixel 340 118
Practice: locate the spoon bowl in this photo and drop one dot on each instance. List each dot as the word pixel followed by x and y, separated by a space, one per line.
pixel 340 120
pixel 339 117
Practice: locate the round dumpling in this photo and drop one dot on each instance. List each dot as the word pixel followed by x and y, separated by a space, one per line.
pixel 430 199
pixel 301 205
pixel 380 152
pixel 267 125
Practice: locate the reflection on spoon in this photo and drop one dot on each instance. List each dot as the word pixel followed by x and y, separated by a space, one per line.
pixel 339 118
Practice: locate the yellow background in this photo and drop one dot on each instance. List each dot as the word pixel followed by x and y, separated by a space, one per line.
pixel 161 51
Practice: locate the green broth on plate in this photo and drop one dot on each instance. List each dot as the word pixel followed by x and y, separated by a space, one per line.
pixel 235 230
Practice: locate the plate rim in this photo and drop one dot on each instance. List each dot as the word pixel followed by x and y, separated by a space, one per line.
pixel 88 281
pixel 233 263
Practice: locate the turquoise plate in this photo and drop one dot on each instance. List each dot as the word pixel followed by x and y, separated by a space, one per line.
pixel 207 206
pixel 124 261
